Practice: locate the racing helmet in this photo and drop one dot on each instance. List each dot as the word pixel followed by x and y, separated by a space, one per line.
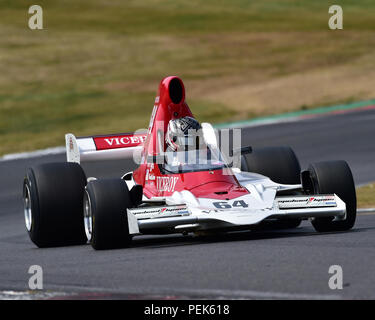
pixel 181 133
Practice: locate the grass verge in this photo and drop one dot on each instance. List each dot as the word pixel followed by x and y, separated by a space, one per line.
pixel 366 196
pixel 96 66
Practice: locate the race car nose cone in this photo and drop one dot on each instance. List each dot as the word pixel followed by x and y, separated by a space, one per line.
pixel 218 190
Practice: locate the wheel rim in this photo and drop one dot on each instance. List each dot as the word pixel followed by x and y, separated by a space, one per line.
pixel 87 216
pixel 27 207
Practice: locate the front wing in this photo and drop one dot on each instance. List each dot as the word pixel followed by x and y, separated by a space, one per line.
pixel 179 218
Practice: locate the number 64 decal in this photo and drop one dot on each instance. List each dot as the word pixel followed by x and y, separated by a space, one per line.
pixel 226 205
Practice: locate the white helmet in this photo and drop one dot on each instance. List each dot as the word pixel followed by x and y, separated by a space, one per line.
pixel 178 136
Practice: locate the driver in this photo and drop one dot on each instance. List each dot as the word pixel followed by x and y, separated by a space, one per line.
pixel 182 133
pixel 182 136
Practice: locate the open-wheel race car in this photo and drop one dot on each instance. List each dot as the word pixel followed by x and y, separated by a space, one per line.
pixel 184 183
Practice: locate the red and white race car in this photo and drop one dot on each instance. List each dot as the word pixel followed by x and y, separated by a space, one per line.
pixel 184 183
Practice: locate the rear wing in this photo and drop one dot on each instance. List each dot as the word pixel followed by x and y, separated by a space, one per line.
pixel 108 147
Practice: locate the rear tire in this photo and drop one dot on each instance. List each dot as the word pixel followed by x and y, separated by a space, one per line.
pixel 53 204
pixel 281 165
pixel 108 200
pixel 334 177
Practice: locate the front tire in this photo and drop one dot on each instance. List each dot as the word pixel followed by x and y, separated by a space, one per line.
pixel 53 204
pixel 281 165
pixel 334 177
pixel 107 201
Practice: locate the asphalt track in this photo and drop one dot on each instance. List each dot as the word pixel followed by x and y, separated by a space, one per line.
pixel 289 264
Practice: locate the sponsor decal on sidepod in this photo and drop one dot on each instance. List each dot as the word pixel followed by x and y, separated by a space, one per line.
pixel 166 184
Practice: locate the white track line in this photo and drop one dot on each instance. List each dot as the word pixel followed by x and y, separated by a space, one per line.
pixel 29 295
pixel 258 123
pixel 251 294
pixel 32 154
pixel 363 184
pixel 366 210
pixel 197 293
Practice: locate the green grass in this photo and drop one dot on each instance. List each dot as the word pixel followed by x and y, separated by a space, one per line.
pixel 96 66
pixel 366 196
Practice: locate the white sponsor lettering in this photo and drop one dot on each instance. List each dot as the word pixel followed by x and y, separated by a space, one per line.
pixel 164 211
pixel 152 118
pixel 149 175
pixel 110 141
pixel 125 140
pixel 166 183
pixel 149 172
pixel 306 202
